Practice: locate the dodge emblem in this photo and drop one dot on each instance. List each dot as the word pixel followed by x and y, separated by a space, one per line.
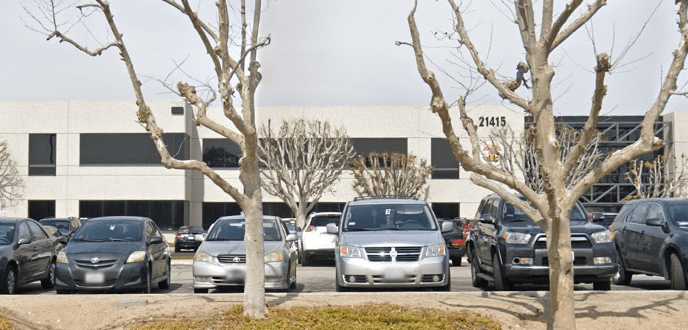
pixel 236 260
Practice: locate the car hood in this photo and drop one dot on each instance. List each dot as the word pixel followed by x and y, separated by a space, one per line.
pixel 578 228
pixel 5 251
pixel 391 238
pixel 215 248
pixel 116 250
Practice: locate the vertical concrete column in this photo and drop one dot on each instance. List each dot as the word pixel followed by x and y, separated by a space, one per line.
pixel 193 180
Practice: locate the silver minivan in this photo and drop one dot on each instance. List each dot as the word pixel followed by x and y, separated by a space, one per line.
pixel 390 243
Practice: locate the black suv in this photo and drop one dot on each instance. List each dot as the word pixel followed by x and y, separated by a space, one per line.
pixel 508 248
pixel 652 238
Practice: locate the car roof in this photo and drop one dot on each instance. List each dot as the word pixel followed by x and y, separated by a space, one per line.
pixel 11 219
pixel 119 217
pixel 57 219
pixel 241 217
pixel 658 200
pixel 317 214
pixel 377 201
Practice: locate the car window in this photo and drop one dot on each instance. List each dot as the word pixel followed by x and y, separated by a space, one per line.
pixel 378 217
pixel 679 213
pixel 487 208
pixel 62 225
pixel 6 233
pixel 235 229
pixel 324 220
pixel 654 211
pixel 638 215
pixel 494 208
pixel 24 233
pixel 36 231
pixel 116 230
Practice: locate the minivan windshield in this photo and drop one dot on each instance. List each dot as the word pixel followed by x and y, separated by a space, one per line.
pixel 378 217
pixel 120 230
pixel 515 215
pixel 234 230
pixel 6 233
pixel 61 225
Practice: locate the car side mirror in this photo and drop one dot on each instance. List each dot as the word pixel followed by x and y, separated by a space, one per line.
pixel 23 241
pixel 332 228
pixel 292 237
pixel 155 240
pixel 656 222
pixel 447 226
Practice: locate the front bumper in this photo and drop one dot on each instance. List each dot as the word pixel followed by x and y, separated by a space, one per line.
pixel 361 273
pixel 119 277
pixel 211 275
pixel 581 274
pixel 187 244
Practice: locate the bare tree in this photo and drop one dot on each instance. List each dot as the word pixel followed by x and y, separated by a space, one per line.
pixel 550 208
pixel 237 74
pixel 302 161
pixel 385 174
pixel 11 183
pixel 664 176
pixel 516 155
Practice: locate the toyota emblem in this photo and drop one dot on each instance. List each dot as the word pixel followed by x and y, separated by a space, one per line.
pixel 95 260
pixel 236 260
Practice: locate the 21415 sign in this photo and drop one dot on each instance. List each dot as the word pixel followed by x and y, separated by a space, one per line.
pixel 496 121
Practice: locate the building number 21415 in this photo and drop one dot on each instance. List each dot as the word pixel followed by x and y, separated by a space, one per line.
pixel 499 121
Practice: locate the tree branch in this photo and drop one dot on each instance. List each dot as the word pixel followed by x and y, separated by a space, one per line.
pixel 556 37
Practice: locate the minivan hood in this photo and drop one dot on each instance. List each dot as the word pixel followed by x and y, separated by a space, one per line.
pixel 120 249
pixel 215 248
pixel 391 238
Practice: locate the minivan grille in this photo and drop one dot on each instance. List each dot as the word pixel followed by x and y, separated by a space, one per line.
pixel 232 258
pixel 384 254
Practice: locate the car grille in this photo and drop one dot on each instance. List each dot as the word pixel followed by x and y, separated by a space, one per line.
pixel 232 258
pixel 384 254
pixel 577 242
pixel 95 264
pixel 577 261
pixel 382 279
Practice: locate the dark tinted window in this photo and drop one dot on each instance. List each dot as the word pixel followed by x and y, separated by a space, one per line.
pixel 221 153
pixel 129 148
pixel 168 215
pixel 365 146
pixel 41 209
pixel 324 220
pixel 234 230
pixel 42 154
pixel 679 213
pixel 111 231
pixel 24 232
pixel 515 215
pixel 446 210
pixel 654 211
pixel 638 215
pixel 37 232
pixel 61 225
pixel 6 233
pixel 376 217
pixel 444 165
pixel 192 230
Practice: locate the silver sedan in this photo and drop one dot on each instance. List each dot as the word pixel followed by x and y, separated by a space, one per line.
pixel 221 260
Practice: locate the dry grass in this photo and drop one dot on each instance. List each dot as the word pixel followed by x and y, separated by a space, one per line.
pixel 361 317
pixel 5 324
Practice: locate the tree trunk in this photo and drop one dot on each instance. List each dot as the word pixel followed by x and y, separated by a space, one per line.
pixel 562 310
pixel 301 215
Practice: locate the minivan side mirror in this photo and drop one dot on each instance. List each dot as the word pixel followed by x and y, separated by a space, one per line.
pixel 447 226
pixel 656 222
pixel 332 228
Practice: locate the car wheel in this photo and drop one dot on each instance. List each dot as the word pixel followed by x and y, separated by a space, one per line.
pixel 475 272
pixel 200 291
pixel 148 286
pixel 448 286
pixel 500 282
pixel 49 282
pixel 605 285
pixel 165 285
pixel 622 276
pixel 176 249
pixel 304 261
pixel 456 261
pixel 677 274
pixel 9 283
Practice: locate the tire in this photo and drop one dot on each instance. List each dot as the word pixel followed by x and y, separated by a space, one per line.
pixel 605 285
pixel 200 291
pixel 476 281
pixel 148 286
pixel 176 249
pixel 456 261
pixel 49 283
pixel 165 285
pixel 9 281
pixel 305 261
pixel 447 287
pixel 500 282
pixel 623 276
pixel 677 274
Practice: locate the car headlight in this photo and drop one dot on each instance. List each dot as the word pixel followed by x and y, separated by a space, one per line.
pixel 350 252
pixel 602 236
pixel 436 250
pixel 275 256
pixel 62 258
pixel 516 238
pixel 136 257
pixel 201 256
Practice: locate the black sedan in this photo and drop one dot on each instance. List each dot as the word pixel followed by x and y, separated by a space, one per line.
pixel 114 254
pixel 188 238
pixel 27 254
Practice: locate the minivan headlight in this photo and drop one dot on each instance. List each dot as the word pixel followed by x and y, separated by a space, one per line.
pixel 275 256
pixel 201 256
pixel 136 257
pixel 62 258
pixel 516 238
pixel 602 236
pixel 436 250
pixel 350 252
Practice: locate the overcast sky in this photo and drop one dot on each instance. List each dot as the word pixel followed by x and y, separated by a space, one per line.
pixel 338 52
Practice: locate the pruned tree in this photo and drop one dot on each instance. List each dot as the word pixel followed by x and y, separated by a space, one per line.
pixel 662 177
pixel 11 183
pixel 516 154
pixel 302 161
pixel 551 208
pixel 233 58
pixel 385 174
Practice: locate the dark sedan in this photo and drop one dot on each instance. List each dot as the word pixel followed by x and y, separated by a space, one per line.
pixel 188 238
pixel 27 254
pixel 114 254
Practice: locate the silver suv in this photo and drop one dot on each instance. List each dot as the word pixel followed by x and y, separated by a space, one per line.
pixel 390 243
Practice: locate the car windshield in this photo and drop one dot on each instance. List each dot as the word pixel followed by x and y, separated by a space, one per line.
pixel 515 215
pixel 61 225
pixel 679 213
pixel 324 220
pixel 110 231
pixel 234 230
pixel 6 233
pixel 191 230
pixel 378 217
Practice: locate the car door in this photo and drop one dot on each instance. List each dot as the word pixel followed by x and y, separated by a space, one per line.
pixel 24 253
pixel 486 231
pixel 42 247
pixel 631 233
pixel 158 252
pixel 652 240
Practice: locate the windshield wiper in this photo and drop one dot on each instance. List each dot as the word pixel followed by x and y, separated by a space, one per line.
pixel 90 240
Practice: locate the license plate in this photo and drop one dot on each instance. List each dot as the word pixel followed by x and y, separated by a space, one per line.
pixel 394 274
pixel 94 278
